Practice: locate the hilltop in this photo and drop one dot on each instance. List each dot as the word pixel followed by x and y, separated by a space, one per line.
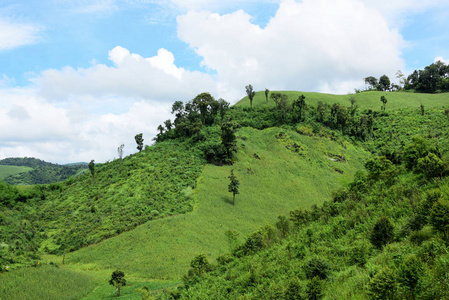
pixel 300 167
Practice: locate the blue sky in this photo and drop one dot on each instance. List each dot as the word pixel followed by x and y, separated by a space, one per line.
pixel 80 77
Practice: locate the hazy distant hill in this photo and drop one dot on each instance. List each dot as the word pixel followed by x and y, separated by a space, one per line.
pixel 37 171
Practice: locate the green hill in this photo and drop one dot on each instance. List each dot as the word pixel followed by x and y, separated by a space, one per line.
pixel 6 171
pixel 36 171
pixel 365 100
pixel 151 213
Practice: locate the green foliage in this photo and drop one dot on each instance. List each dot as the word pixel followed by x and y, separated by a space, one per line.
pixel 118 280
pixel 383 285
pixel 28 171
pixel 233 186
pixel 317 267
pixel 409 274
pixel 382 233
pixel 439 217
pixel 139 141
pixel 314 289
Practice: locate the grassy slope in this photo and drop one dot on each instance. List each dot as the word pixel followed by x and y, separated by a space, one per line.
pixel 280 181
pixel 366 100
pixel 6 171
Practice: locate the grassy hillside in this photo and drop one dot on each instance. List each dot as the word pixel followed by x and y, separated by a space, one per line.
pixel 6 171
pixel 365 100
pixel 272 185
pixel 185 208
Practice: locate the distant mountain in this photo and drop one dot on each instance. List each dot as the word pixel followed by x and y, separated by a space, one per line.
pixel 41 173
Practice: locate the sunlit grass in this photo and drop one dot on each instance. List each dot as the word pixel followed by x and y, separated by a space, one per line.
pixel 270 186
pixel 365 100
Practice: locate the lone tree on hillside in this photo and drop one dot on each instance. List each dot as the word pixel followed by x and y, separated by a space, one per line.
pixel 266 94
pixel 117 280
pixel 384 102
pixel 92 170
pixel 233 186
pixel 120 151
pixel 250 93
pixel 139 141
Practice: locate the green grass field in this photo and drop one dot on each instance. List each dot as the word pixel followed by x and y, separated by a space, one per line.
pixel 278 182
pixel 365 100
pixel 6 171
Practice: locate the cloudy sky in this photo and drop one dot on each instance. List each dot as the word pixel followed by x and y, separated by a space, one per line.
pixel 78 78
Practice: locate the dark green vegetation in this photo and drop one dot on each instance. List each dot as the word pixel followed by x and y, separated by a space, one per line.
pixel 327 230
pixel 433 79
pixel 28 171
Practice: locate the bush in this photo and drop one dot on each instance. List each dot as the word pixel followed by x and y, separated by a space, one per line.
pixel 382 233
pixel 317 267
pixel 382 285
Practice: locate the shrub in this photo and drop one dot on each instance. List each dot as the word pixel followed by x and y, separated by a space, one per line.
pixel 382 285
pixel 382 233
pixel 317 267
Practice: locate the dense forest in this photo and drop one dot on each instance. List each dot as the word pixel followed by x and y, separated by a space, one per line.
pixel 383 234
pixel 42 172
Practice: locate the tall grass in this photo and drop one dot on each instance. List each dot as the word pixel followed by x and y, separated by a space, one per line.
pixel 279 181
pixel 46 282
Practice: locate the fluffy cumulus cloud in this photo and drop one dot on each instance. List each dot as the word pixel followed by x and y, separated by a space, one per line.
pixel 37 128
pixel 313 45
pixel 131 76
pixel 82 114
pixel 78 114
pixel 14 34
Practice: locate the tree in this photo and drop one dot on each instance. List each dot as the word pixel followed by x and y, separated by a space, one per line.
pixel 223 107
pixel 250 93
pixel 92 170
pixel 204 102
pixel 382 233
pixel 371 81
pixel 299 106
pixel 384 102
pixel 168 124
pixel 139 141
pixel 228 138
pixel 410 271
pixel 439 217
pixel 266 94
pixel 233 186
pixel 120 151
pixel 402 79
pixel 384 83
pixel 431 165
pixel 280 100
pixel 117 280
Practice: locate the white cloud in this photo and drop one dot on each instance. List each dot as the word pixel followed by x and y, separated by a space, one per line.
pixel 30 126
pixel 443 60
pixel 14 34
pixel 314 45
pixel 132 76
